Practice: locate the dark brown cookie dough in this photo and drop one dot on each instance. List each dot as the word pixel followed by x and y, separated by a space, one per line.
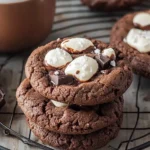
pixel 138 61
pixel 66 120
pixel 102 88
pixel 110 4
pixel 91 141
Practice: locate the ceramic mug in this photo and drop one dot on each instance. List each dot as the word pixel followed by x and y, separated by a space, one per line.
pixel 24 23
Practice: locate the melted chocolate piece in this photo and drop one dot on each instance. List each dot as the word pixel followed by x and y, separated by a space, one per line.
pixel 60 78
pixel 89 49
pixel 103 61
pixel 2 100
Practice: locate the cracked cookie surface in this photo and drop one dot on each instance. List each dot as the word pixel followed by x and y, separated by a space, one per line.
pixel 102 88
pixel 67 120
pixel 138 61
pixel 91 141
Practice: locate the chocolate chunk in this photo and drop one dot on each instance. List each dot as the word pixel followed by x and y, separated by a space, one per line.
pixel 103 61
pixel 61 79
pixel 2 100
pixel 89 49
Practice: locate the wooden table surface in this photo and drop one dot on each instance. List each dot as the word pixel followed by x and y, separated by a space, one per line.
pixel 74 19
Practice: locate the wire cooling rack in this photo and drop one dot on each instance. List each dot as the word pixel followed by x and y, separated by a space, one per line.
pixel 74 19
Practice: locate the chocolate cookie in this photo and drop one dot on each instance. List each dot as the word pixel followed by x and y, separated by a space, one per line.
pixel 78 71
pixel 91 141
pixel 110 4
pixel 71 119
pixel 131 35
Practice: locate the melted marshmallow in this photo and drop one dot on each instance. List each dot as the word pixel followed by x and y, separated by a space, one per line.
pixel 76 45
pixel 58 104
pixel 109 52
pixel 142 19
pixel 83 68
pixel 57 58
pixel 139 40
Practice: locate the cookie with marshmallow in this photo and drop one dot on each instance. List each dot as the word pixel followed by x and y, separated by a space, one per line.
pixel 67 72
pixel 61 117
pixel 131 36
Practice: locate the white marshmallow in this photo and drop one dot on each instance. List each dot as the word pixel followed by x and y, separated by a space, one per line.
pixel 83 68
pixel 103 71
pixel 57 58
pixel 139 40
pixel 97 51
pixel 59 104
pixel 109 52
pixel 76 44
pixel 142 19
pixel 56 73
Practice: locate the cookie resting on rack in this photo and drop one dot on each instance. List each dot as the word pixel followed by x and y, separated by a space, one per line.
pixel 63 118
pixel 131 36
pixel 90 141
pixel 78 71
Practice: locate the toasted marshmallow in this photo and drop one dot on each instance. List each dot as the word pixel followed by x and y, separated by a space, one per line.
pixel 109 52
pixel 83 68
pixel 57 58
pixel 139 40
pixel 76 45
pixel 59 104
pixel 142 19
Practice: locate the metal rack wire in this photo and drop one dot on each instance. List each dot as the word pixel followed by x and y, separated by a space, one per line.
pixel 68 19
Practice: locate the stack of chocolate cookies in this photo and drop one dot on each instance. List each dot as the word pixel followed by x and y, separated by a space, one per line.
pixel 72 96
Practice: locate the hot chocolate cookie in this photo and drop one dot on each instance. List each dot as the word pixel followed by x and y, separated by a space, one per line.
pixel 90 141
pixel 63 118
pixel 78 71
pixel 131 35
pixel 109 4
